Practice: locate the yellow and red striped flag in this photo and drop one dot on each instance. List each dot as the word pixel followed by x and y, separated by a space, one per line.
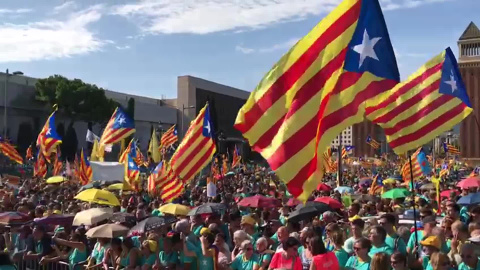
pixel 40 166
pixel 57 164
pixel 9 150
pixel 318 89
pixel 29 154
pixel 48 138
pixel 169 137
pixel 237 158
pixel 429 102
pixel 196 149
pixel 85 169
pixel 416 168
pixel 448 148
pixel 170 186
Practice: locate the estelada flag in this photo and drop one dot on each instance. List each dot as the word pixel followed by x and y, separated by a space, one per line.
pixel 318 89
pixel 48 138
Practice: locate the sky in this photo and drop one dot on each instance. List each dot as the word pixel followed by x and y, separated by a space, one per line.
pixel 141 47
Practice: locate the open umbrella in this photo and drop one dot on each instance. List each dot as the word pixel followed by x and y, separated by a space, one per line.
pixel 123 218
pixel 151 223
pixel 99 196
pixel 344 189
pixel 469 183
pixel 396 193
pixel 107 231
pixel 446 193
pixel 470 199
pixel 56 179
pixel 13 218
pixel 319 205
pixel 307 212
pixel 366 181
pixel 208 208
pixel 92 216
pixel 390 181
pixel 120 186
pixel 174 209
pixel 90 185
pixel 62 220
pixel 428 186
pixel 334 204
pixel 259 201
pixel 323 187
pixel 293 202
pixel 229 173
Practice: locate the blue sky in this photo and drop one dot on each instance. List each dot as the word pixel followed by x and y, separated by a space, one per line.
pixel 140 47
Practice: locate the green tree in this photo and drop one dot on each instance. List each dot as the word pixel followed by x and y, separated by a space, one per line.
pixel 70 143
pixel 75 99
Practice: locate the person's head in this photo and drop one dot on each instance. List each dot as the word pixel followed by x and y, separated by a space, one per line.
pixel 219 239
pixel 240 236
pixel 447 227
pixel 440 261
pixel 116 244
pixel 361 247
pixel 337 237
pixel 431 244
pixel 429 222
pixel 247 248
pixel 398 261
pixel 38 232
pixel 291 247
pixel 357 227
pixel 459 228
pixel 328 217
pixel 127 244
pixel 149 247
pixel 183 226
pixel 247 224
pixel 468 255
pixel 453 211
pixel 380 261
pixel 353 209
pixel 387 221
pixel 305 233
pixel 377 235
pixel 475 214
pixel 316 245
pixel 282 234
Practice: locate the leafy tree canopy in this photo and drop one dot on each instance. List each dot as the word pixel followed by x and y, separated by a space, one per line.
pixel 75 99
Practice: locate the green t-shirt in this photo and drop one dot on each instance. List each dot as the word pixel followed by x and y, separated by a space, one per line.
pixel 411 241
pixel 354 263
pixel 240 262
pixel 77 256
pixel 384 248
pixel 342 257
pixel 401 246
pixel 197 230
pixel 264 258
pixel 463 266
pixel 206 263
pixel 167 259
pixel 150 260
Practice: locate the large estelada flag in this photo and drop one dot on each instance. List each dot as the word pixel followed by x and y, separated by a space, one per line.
pixel 167 182
pixel 431 101
pixel 318 89
pixel 118 127
pixel 9 150
pixel 48 138
pixel 196 149
pixel 40 166
pixel 169 137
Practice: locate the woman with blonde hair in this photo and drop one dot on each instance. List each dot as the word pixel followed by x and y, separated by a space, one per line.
pixel 380 261
pixel 238 238
pixel 440 261
pixel 337 239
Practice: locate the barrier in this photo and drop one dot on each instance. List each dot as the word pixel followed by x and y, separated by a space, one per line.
pixel 35 265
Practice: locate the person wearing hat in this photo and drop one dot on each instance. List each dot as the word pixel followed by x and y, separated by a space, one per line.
pixel 248 225
pixel 430 245
pixel 148 257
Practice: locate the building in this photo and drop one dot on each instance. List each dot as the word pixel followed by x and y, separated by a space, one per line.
pixel 469 63
pixel 346 138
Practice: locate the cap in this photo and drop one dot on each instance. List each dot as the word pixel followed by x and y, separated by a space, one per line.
pixel 248 220
pixel 152 245
pixel 354 218
pixel 433 241
pixel 204 230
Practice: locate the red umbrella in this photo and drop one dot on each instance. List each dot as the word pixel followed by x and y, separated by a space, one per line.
pixel 324 187
pixel 469 183
pixel 259 201
pixel 293 202
pixel 330 202
pixel 446 193
pixel 12 218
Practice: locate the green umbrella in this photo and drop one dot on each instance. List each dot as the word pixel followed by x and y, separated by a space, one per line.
pixel 396 193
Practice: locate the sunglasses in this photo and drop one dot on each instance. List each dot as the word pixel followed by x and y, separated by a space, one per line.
pixel 357 248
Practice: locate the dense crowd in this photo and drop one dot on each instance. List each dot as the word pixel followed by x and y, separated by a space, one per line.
pixel 354 229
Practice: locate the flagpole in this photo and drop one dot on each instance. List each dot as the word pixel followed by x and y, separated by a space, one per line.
pixel 339 167
pixel 414 207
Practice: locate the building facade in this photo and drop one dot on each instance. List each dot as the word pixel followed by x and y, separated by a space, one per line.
pixel 469 63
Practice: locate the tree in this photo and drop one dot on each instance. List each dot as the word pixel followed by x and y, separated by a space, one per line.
pixel 75 99
pixel 70 143
pixel 25 136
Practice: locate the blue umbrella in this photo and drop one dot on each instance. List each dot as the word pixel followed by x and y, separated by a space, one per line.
pixel 344 189
pixel 470 199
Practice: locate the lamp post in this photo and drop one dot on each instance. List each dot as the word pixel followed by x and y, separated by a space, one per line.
pixel 5 100
pixel 183 115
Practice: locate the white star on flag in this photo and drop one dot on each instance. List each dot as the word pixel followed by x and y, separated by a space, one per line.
pixel 49 131
pixel 207 126
pixel 131 164
pixel 366 48
pixel 121 120
pixel 452 82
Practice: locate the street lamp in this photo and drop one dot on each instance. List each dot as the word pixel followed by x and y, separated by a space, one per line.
pixel 183 114
pixel 5 98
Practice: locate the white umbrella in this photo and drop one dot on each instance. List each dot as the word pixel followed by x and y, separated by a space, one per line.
pixel 107 231
pixel 92 216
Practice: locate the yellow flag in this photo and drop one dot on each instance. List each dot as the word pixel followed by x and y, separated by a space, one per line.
pixel 436 181
pixel 94 155
pixel 153 148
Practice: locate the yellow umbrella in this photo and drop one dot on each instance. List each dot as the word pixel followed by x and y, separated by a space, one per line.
pixel 174 209
pixel 389 181
pixel 119 186
pixel 56 179
pixel 99 196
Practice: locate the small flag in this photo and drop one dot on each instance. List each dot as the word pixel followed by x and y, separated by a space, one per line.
pixel 169 137
pixel 91 137
pixel 57 164
pixel 9 150
pixel 236 158
pixel 131 171
pixel 152 179
pixel 85 169
pixel 170 186
pixel 123 156
pixel 448 148
pixel 118 127
pixel 376 184
pixel 29 154
pixel 372 142
pixel 445 170
pixel 153 148
pixel 40 166
pixel 420 166
pixel 48 139
pixel 346 150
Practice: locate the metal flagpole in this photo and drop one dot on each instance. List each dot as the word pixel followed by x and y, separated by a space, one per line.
pixel 413 201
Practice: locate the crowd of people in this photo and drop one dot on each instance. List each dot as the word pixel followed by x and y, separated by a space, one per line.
pixel 366 232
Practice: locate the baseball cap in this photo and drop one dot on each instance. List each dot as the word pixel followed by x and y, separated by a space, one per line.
pixel 433 241
pixel 248 220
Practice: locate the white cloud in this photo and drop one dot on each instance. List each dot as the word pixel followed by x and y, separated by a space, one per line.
pixel 275 47
pixel 51 39
pixel 4 11
pixel 209 16
pixel 126 47
pixel 65 6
